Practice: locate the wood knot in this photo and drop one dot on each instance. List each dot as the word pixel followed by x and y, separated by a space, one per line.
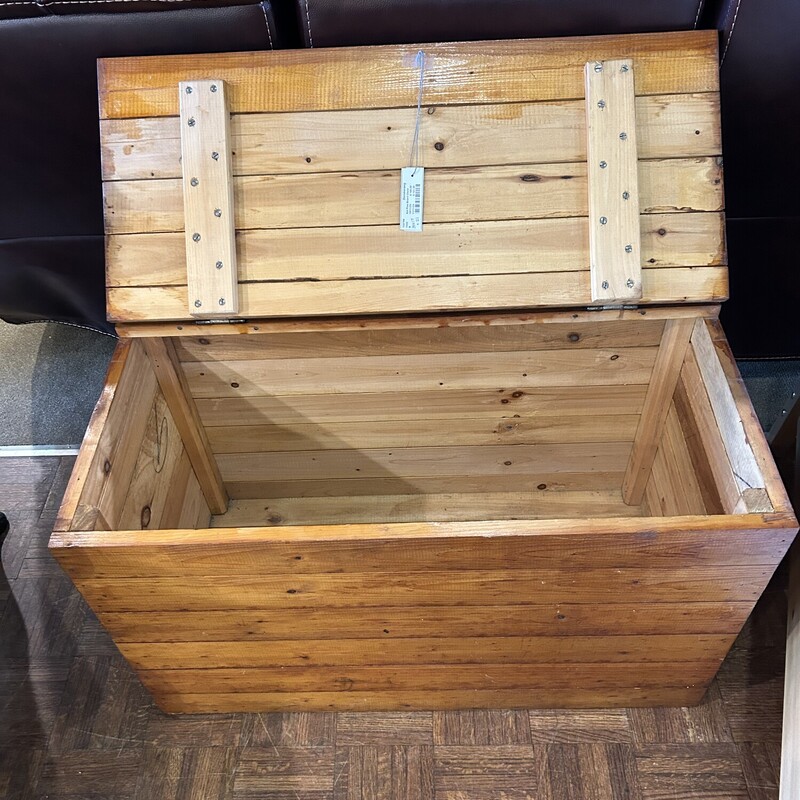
pixel 574 337
pixel 145 517
pixel 204 341
pixel 530 178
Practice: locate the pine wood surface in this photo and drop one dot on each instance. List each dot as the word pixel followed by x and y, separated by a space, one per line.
pixel 77 722
pixel 507 181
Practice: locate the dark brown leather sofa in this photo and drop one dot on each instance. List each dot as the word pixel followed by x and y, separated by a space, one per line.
pixel 51 250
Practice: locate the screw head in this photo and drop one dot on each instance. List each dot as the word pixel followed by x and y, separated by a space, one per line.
pixel 598 67
pixel 219 265
pixel 629 283
pixel 215 156
pixel 213 87
pixel 601 103
pixel 195 237
pixel 626 195
pixel 194 181
pixel 188 90
pixel 623 136
pixel 628 248
pixel 191 123
pixel 222 301
pixel 603 165
pixel 217 212
pixel 197 304
pixel 604 284
pixel 603 220
pixel 624 68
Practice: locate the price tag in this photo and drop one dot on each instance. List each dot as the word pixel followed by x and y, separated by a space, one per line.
pixel 412 190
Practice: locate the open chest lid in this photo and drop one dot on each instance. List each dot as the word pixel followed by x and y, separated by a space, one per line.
pixel 557 173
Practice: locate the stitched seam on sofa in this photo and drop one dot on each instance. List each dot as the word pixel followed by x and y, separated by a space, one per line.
pixel 697 15
pixel 266 20
pixel 730 35
pixel 308 24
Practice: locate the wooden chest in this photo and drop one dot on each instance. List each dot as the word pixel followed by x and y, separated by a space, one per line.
pixel 504 461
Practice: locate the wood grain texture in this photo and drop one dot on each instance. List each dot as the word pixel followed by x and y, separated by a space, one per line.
pixel 172 381
pixel 673 488
pixel 504 335
pixel 532 504
pixel 660 391
pixel 398 295
pixel 710 456
pixel 417 651
pixel 370 434
pixel 428 321
pixel 668 126
pixel 532 404
pixel 206 178
pixel 369 197
pixel 739 541
pixel 612 173
pixel 564 619
pixel 743 462
pixel 384 77
pixel 106 467
pixel 513 246
pixel 427 372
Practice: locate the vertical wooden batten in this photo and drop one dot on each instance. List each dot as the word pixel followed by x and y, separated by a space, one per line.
pixel 614 236
pixel 666 371
pixel 169 374
pixel 208 199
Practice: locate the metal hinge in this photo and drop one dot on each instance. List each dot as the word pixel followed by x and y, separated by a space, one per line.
pixel 613 308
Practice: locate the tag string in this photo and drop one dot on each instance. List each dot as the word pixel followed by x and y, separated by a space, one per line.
pixel 413 158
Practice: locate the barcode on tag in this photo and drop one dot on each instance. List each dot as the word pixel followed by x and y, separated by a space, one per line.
pixel 412 183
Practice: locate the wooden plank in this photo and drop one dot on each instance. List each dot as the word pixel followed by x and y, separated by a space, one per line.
pixel 752 428
pixel 106 484
pixel 673 489
pixel 151 481
pixel 469 194
pixel 507 370
pixel 434 462
pixel 790 747
pixel 384 77
pixel 552 404
pixel 530 504
pixel 541 480
pixel 669 126
pixel 414 341
pixel 614 237
pixel 398 322
pixel 508 246
pixel 208 198
pixel 666 371
pixel 422 547
pixel 476 587
pixel 380 433
pixel 622 697
pixel 195 513
pixel 459 293
pixel 171 514
pixel 564 619
pixel 442 677
pixel 171 379
pixel 709 455
pixel 87 457
pixel 743 462
pixel 388 651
